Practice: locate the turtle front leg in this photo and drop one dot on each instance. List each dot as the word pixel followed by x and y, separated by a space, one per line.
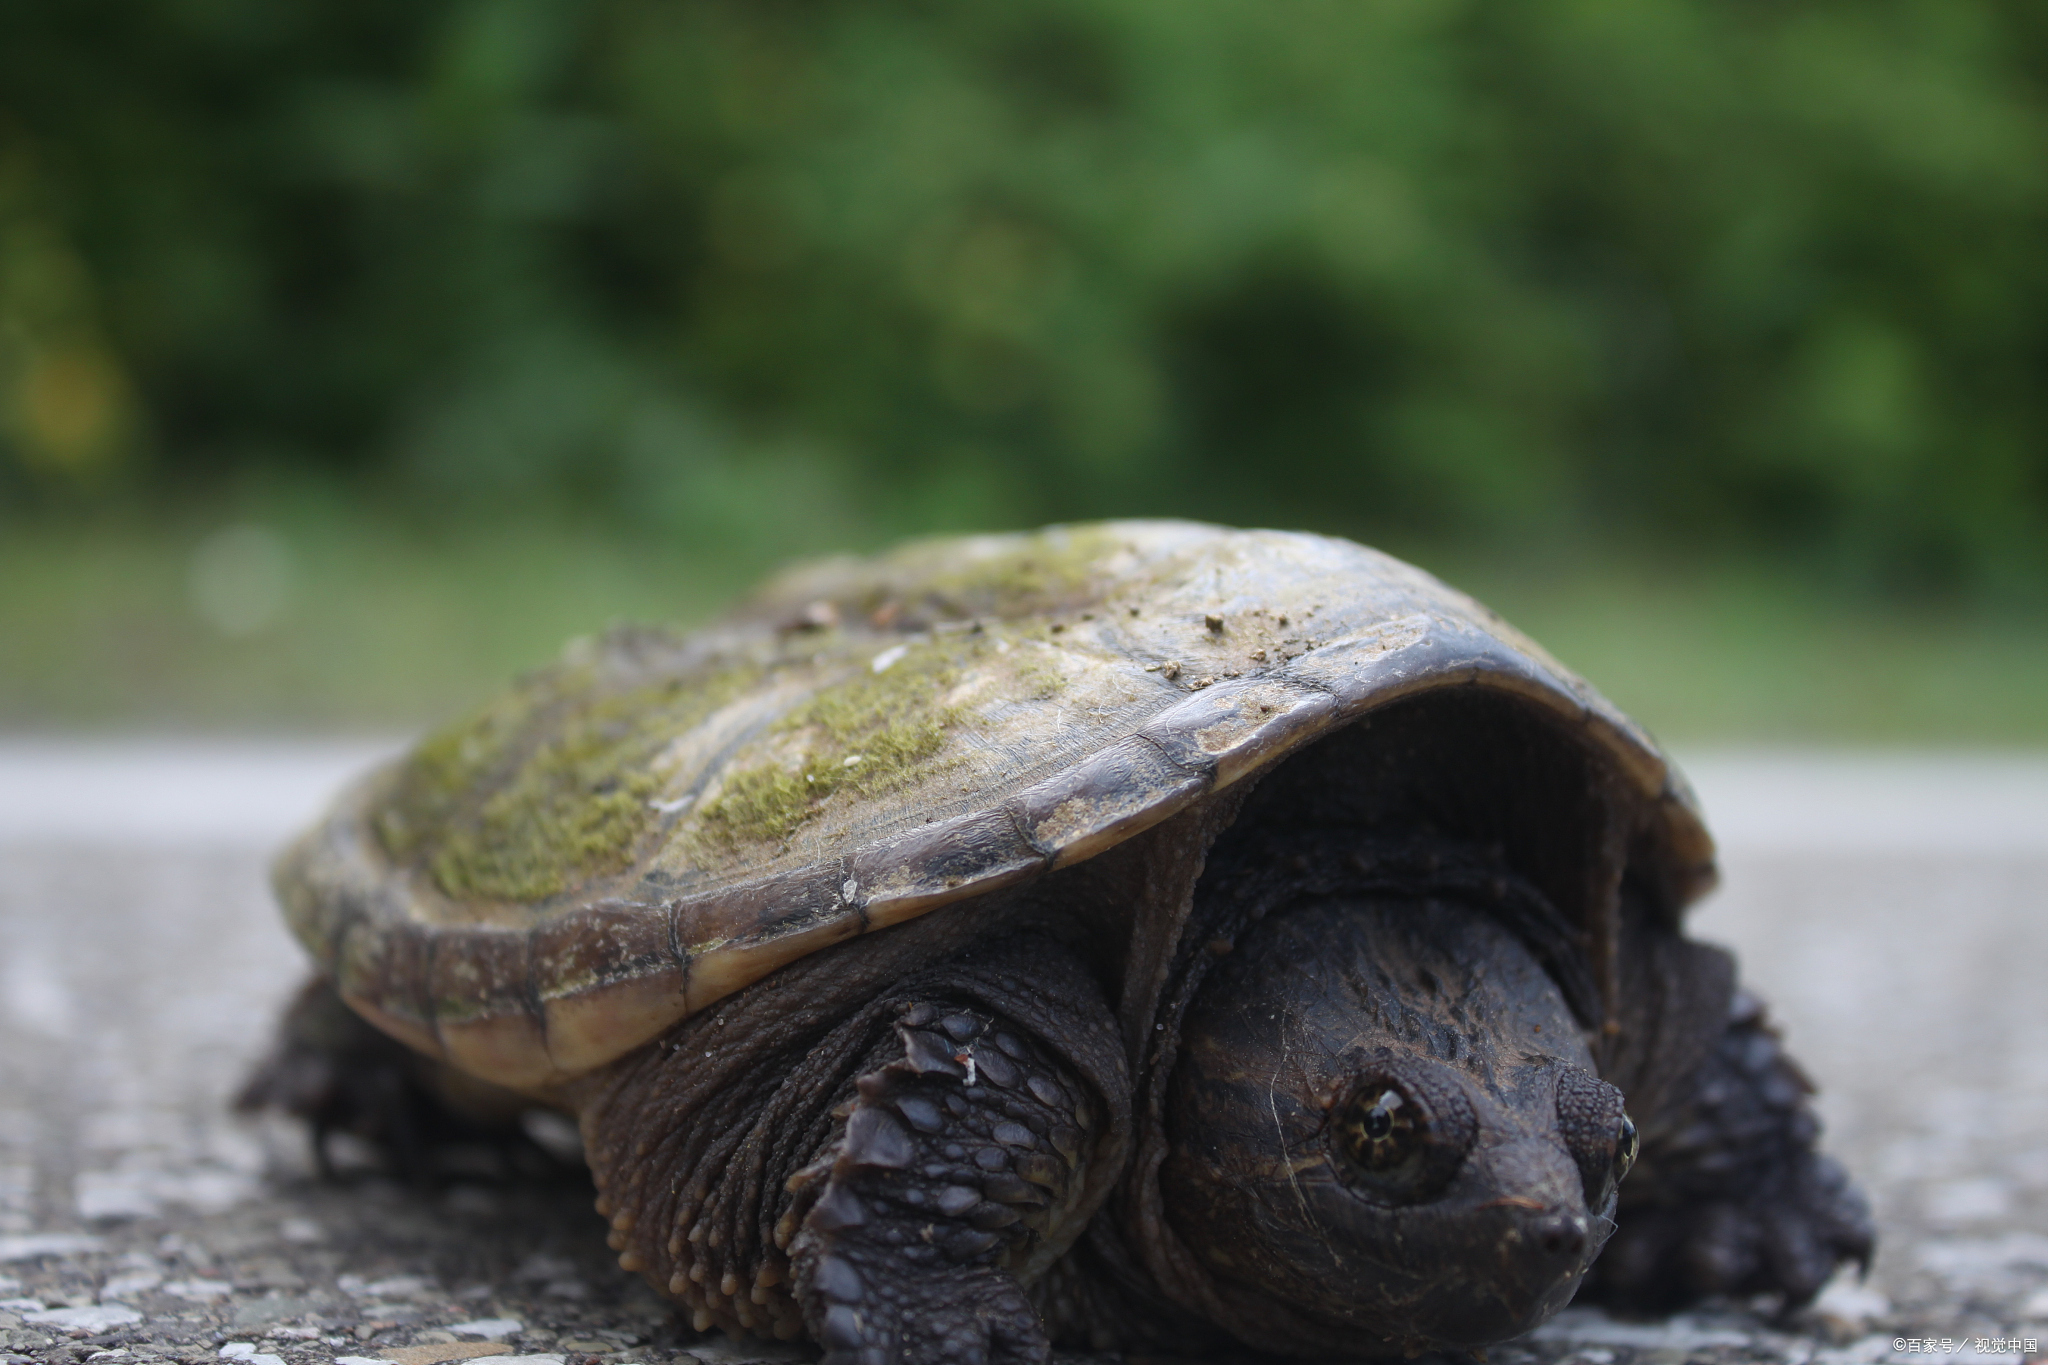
pixel 957 1179
pixel 890 1183
pixel 1731 1195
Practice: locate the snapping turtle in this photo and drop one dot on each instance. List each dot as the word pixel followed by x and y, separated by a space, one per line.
pixel 1136 935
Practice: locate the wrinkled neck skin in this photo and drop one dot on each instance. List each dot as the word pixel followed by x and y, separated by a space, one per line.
pixel 1385 1133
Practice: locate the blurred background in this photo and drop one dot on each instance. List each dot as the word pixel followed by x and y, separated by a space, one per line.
pixel 352 356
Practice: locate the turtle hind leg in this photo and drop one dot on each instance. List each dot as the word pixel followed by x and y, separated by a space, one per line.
pixel 340 1075
pixel 1731 1196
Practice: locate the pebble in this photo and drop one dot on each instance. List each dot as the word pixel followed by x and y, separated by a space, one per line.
pixel 436 1353
pixel 1979 1200
pixel 1679 1333
pixel 245 1353
pixel 38 1244
pixel 493 1329
pixel 719 1349
pixel 1864 1351
pixel 101 1318
pixel 1850 1302
pixel 135 1282
pixel 396 1287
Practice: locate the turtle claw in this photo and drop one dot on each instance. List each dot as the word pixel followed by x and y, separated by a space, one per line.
pixel 1785 1239
pixel 1731 1197
pixel 970 1316
pixel 957 1159
pixel 1818 1222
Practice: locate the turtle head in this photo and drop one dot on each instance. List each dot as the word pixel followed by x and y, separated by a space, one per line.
pixel 1384 1117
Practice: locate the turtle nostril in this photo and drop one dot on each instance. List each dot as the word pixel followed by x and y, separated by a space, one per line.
pixel 1560 1236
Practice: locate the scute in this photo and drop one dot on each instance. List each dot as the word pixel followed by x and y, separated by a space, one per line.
pixel 553 783
pixel 657 820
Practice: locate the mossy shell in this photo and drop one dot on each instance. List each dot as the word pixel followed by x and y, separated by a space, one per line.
pixel 657 820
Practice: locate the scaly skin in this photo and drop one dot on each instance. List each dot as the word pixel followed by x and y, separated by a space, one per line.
pixel 897 1187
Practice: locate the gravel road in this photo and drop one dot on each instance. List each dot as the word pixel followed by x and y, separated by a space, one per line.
pixel 1891 908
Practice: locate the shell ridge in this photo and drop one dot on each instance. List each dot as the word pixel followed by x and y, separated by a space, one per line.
pixel 1198 768
pixel 1065 796
pixel 1013 811
pixel 852 894
pixel 685 960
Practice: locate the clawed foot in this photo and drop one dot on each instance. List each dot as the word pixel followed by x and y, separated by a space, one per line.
pixel 971 1316
pixel 1731 1196
pixel 954 1161
pixel 1785 1237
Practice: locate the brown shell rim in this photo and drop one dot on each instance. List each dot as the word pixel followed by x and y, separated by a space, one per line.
pixel 633 976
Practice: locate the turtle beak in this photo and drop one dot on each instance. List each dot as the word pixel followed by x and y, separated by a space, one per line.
pixel 1542 1250
pixel 1540 1238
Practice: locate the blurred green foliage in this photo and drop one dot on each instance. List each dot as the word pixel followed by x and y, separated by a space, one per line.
pixel 362 623
pixel 1768 276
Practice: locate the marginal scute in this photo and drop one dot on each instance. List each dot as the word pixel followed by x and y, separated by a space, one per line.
pixel 585 1030
pixel 1105 799
pixel 901 879
pixel 1236 729
pixel 511 1048
pixel 658 819
pixel 718 971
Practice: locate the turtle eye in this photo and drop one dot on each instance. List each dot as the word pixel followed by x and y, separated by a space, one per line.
pixel 1397 1142
pixel 1381 1132
pixel 1626 1145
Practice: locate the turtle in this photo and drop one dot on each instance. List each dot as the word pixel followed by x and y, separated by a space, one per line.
pixel 1140 936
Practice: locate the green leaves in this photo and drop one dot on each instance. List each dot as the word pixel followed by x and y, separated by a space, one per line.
pixel 1762 275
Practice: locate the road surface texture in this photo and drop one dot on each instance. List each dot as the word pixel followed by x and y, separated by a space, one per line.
pixel 1892 909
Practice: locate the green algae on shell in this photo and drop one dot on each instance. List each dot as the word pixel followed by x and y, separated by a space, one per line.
pixel 660 819
pixel 550 785
pixel 1038 574
pixel 867 735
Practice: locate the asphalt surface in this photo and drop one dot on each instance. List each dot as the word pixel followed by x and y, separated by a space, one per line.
pixel 1894 910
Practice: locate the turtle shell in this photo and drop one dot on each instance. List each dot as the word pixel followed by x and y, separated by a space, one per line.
pixel 658 819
